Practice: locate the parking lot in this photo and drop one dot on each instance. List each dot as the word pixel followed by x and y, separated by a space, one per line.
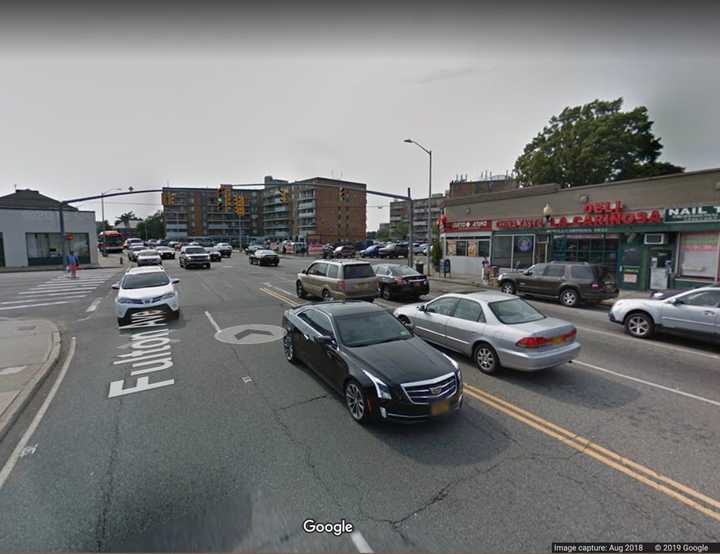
pixel 233 448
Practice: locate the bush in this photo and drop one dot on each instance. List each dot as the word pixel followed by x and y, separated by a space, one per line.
pixel 436 253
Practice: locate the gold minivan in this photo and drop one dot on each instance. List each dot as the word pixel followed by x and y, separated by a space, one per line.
pixel 338 280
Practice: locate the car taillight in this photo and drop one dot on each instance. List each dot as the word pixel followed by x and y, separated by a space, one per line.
pixel 532 342
pixel 341 285
pixel 596 285
pixel 399 280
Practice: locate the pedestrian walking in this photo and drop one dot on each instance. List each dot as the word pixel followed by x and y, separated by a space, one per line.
pixel 73 262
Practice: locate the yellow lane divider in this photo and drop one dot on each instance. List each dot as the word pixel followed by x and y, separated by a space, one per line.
pixel 611 459
pixel 280 297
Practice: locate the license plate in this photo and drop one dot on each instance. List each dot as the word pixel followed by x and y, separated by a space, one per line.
pixel 418 283
pixel 438 408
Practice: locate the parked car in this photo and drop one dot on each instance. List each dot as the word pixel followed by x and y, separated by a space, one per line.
pixel 371 251
pixel 695 313
pixel 344 251
pixel 252 247
pixel 133 250
pixel 224 248
pixel 338 279
pixel 570 282
pixel 420 249
pixel 403 281
pixel 132 241
pixel 166 253
pixel 494 329
pixel 214 253
pixel 148 257
pixel 376 364
pixel 328 251
pixel 393 250
pixel 194 256
pixel 264 257
pixel 145 288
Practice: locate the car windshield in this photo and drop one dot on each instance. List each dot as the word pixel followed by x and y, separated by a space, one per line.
pixel 145 280
pixel 148 253
pixel 264 253
pixel 403 270
pixel 370 328
pixel 195 250
pixel 358 271
pixel 515 311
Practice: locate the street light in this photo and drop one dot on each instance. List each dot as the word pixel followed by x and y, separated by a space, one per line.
pixel 429 210
pixel 547 212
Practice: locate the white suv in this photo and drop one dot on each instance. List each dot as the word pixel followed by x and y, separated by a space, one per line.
pixel 145 288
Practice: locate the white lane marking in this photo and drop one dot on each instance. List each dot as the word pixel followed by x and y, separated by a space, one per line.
pixel 67 285
pixel 213 322
pixel 15 456
pixel 44 298
pixel 360 543
pixel 247 379
pixel 12 370
pixel 33 305
pixel 228 266
pixel 92 307
pixel 648 383
pixel 654 343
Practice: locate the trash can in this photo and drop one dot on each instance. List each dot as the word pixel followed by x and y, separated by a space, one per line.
pixel 419 266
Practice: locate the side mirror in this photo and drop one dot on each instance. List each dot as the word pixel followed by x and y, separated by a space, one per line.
pixel 326 340
pixel 422 308
pixel 175 281
pixel 527 272
pixel 676 301
pixel 116 286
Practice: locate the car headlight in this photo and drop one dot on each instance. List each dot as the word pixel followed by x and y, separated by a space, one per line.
pixel 383 391
pixel 167 296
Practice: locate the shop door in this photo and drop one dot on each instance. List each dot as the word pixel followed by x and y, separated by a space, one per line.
pixel 633 267
pixel 660 266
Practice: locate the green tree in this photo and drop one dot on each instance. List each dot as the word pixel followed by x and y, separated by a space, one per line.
pixel 125 218
pixel 400 232
pixel 152 227
pixel 382 235
pixel 594 143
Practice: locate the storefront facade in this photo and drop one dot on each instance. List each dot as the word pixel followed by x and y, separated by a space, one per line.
pixel 654 233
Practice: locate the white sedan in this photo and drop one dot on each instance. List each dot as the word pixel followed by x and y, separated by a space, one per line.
pixel 148 257
pixel 146 288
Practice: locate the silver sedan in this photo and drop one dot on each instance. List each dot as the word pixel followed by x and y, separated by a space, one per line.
pixel 495 329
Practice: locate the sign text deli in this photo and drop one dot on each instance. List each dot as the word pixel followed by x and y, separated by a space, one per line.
pixel 596 214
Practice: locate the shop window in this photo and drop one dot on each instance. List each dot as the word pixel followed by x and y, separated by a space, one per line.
pixel 461 248
pixel 502 251
pixel 46 248
pixel 698 255
pixel 523 249
pixel 483 248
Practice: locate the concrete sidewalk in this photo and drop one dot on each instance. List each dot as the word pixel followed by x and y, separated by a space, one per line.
pixel 28 350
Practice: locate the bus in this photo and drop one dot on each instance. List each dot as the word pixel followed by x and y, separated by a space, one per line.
pixel 110 241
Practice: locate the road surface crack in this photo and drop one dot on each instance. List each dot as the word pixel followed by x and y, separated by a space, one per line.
pixel 301 402
pixel 109 485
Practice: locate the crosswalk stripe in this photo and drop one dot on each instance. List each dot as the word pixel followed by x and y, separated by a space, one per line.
pixel 41 292
pixel 33 305
pixel 45 296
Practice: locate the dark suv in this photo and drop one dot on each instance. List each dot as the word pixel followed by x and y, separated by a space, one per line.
pixel 569 282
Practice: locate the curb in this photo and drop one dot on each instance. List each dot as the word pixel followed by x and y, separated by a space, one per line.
pixel 13 412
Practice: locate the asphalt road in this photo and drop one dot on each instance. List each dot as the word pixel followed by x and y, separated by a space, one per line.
pixel 235 448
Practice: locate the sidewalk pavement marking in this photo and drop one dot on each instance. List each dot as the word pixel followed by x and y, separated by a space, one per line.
pixel 654 343
pixel 93 306
pixel 649 383
pixel 33 305
pixel 632 469
pixel 15 456
pixel 212 322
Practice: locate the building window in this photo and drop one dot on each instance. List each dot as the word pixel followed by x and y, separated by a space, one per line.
pixel 46 248
pixel 502 251
pixel 461 248
pixel 595 249
pixel 698 255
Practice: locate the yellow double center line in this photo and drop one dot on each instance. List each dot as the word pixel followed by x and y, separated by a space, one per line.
pixel 280 297
pixel 700 502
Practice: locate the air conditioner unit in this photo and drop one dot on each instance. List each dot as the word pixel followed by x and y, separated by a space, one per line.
pixel 655 238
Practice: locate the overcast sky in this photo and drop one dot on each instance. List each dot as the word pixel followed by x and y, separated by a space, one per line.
pixel 91 99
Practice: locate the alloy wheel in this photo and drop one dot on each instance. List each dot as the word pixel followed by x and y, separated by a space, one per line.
pixel 386 293
pixel 485 359
pixel 569 297
pixel 289 347
pixel 638 326
pixel 355 402
pixel 326 295
pixel 508 288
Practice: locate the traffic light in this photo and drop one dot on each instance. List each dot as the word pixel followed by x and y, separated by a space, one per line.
pixel 220 198
pixel 168 198
pixel 240 204
pixel 228 198
pixel 283 196
pixel 342 193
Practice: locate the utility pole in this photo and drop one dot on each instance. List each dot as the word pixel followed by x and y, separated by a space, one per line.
pixel 411 247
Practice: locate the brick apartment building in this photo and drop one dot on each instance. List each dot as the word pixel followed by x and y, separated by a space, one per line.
pixel 399 213
pixel 308 211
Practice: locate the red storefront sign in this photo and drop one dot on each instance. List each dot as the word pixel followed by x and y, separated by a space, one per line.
pixel 596 214
pixel 473 225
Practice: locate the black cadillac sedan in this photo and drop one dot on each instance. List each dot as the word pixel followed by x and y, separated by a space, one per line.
pixel 381 369
pixel 264 257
